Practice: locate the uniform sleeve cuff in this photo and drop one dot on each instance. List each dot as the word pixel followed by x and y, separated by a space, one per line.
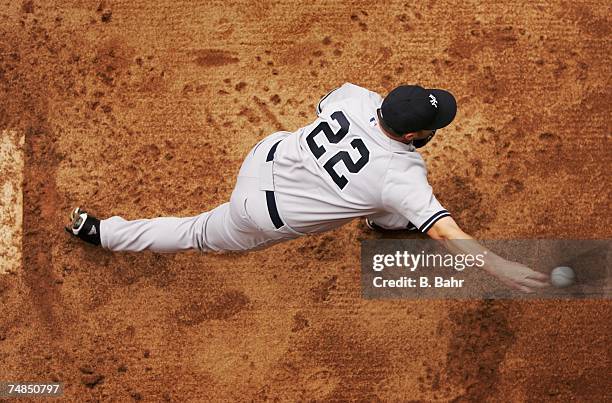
pixel 433 219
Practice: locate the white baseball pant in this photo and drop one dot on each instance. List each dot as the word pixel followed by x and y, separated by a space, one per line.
pixel 242 224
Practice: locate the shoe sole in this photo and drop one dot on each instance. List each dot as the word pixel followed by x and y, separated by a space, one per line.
pixel 75 218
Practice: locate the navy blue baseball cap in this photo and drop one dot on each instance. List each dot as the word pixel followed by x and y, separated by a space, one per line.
pixel 410 108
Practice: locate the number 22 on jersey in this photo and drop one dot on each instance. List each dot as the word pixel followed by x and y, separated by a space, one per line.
pixel 341 156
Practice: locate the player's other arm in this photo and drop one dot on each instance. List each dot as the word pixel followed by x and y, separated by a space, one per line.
pixel 513 274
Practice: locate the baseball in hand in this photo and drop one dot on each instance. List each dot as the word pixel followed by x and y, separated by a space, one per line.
pixel 562 276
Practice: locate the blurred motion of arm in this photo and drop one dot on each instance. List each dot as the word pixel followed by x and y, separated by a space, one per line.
pixel 512 274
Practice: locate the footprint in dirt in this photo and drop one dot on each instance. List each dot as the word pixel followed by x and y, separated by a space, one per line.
pixel 214 58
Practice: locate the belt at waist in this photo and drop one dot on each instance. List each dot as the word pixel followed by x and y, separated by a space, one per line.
pixel 270 198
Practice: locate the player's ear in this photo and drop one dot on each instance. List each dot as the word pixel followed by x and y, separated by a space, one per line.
pixel 409 136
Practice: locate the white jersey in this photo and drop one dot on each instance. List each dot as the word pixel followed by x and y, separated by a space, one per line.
pixel 342 166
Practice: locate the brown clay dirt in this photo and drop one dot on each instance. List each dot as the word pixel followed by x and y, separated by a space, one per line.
pixel 146 108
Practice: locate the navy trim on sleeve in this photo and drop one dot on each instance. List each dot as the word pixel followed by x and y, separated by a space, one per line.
pixel 319 110
pixel 433 219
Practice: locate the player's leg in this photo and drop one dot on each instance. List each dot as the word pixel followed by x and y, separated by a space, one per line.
pixel 222 229
pixel 240 225
pixel 162 234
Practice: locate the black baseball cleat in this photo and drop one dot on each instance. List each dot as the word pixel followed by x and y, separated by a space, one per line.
pixel 375 227
pixel 84 226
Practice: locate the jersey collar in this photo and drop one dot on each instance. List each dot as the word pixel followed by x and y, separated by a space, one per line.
pixel 388 143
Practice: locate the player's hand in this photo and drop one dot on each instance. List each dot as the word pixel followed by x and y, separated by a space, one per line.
pixel 518 276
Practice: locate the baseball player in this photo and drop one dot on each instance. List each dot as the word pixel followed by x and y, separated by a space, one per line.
pixel 357 159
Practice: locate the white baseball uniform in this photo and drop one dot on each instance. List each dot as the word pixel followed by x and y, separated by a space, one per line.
pixel 340 167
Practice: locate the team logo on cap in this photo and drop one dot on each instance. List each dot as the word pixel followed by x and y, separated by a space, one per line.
pixel 433 101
